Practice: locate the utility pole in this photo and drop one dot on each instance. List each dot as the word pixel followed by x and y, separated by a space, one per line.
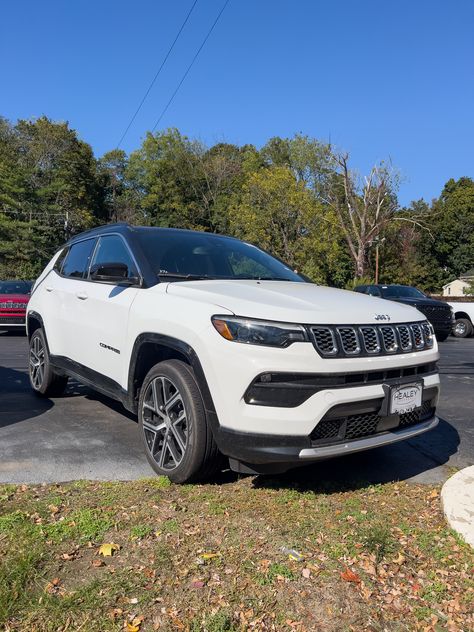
pixel 377 263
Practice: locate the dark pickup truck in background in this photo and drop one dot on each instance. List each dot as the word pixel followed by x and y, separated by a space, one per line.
pixel 439 313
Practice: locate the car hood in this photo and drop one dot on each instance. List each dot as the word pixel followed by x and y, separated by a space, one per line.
pixel 288 301
pixel 419 302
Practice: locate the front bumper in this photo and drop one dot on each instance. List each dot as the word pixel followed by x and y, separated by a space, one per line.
pixel 12 321
pixel 261 454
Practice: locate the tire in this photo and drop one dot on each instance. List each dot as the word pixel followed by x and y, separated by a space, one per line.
pixel 462 328
pixel 44 381
pixel 442 337
pixel 177 438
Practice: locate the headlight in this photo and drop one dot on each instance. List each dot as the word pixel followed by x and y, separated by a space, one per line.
pixel 259 332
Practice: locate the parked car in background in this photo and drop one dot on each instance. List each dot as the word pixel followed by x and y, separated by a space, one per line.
pixel 463 319
pixel 437 312
pixel 14 297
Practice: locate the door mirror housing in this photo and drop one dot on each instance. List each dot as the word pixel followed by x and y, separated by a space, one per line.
pixel 113 272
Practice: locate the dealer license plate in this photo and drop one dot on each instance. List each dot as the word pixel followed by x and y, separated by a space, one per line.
pixel 404 399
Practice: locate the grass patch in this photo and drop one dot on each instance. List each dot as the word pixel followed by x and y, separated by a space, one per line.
pixel 208 557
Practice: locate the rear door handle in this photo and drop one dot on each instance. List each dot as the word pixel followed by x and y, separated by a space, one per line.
pixel 49 288
pixel 82 296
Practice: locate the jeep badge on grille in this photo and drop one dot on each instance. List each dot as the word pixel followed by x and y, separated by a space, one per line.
pixel 382 317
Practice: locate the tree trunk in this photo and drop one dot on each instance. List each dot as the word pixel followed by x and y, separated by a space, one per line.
pixel 361 263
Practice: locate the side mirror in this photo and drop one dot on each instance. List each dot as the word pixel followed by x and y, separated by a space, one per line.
pixel 113 272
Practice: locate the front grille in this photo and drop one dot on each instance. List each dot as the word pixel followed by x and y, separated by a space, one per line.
pixel 370 340
pixel 365 425
pixel 12 305
pixel 361 425
pixel 436 313
pixel 328 429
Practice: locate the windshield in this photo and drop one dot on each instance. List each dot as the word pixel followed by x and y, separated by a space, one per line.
pixel 15 287
pixel 402 291
pixel 181 255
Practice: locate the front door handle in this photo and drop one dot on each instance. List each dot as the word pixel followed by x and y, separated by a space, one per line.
pixel 49 288
pixel 81 296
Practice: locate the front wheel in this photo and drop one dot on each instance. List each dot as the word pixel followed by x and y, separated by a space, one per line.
pixel 176 435
pixel 462 328
pixel 44 381
pixel 442 337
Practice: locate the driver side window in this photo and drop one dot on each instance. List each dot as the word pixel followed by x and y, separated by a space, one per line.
pixel 112 249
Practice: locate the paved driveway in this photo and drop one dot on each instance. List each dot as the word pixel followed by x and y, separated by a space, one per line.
pixel 84 435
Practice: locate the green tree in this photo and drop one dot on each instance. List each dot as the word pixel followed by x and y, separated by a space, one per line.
pixel 451 222
pixel 281 215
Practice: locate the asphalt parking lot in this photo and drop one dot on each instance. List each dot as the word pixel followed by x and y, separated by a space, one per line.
pixel 83 435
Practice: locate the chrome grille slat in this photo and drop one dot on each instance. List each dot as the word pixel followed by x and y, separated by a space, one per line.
pixel 349 340
pixel 404 335
pixel 390 343
pixel 418 339
pixel 371 339
pixel 325 340
pixel 336 341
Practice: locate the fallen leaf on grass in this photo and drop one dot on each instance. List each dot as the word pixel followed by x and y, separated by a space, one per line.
pixel 107 550
pixel 350 576
pixel 306 573
pixel 134 625
pixel 210 556
pixel 97 563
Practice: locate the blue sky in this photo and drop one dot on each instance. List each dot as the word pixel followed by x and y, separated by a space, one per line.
pixel 389 79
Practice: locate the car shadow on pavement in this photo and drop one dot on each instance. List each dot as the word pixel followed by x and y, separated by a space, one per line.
pixel 17 401
pixel 398 462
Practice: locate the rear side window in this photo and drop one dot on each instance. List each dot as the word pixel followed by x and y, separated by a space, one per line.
pixel 77 260
pixel 112 249
pixel 60 260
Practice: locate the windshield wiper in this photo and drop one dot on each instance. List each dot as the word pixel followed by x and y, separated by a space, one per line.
pixel 184 277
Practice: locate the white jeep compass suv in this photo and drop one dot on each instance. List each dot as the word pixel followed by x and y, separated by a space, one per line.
pixel 222 349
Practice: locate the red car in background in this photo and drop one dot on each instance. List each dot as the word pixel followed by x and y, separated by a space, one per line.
pixel 14 297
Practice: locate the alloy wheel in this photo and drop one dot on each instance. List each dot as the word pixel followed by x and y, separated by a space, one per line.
pixel 460 329
pixel 37 359
pixel 165 423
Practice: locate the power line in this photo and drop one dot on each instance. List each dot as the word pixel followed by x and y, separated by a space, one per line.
pixel 190 65
pixel 157 73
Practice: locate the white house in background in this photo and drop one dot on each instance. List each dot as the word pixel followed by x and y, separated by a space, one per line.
pixel 459 286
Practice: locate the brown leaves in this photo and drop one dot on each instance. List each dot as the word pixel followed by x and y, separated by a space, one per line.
pixel 349 576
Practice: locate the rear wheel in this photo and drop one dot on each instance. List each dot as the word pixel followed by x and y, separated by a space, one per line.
pixel 462 328
pixel 177 438
pixel 44 381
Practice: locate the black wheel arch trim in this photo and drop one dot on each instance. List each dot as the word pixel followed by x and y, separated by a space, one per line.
pixel 183 348
pixel 34 315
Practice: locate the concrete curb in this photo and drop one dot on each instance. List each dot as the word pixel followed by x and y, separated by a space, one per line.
pixel 457 497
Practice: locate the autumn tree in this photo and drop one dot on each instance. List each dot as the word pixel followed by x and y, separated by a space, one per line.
pixel 363 207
